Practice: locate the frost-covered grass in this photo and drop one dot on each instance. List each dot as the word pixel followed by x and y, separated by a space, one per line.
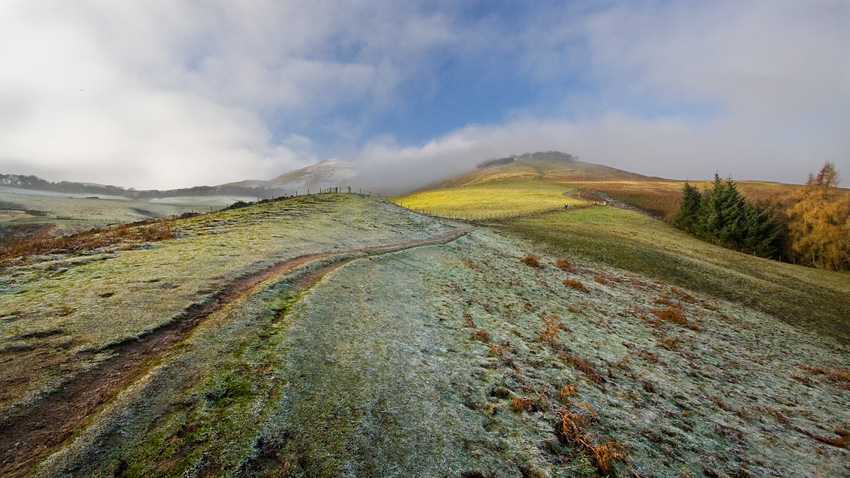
pixel 383 368
pixel 798 295
pixel 70 214
pixel 492 200
pixel 55 307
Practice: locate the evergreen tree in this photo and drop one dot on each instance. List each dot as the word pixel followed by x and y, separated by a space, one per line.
pixel 721 215
pixel 760 236
pixel 687 218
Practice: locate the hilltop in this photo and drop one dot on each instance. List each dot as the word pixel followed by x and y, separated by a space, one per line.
pixel 326 174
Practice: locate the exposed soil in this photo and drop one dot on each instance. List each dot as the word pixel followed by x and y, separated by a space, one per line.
pixel 34 431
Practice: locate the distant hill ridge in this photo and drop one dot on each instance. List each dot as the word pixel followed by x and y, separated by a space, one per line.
pixel 328 173
pixel 546 156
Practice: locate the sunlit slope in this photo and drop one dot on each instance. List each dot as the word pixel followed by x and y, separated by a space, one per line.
pixel 518 188
pixel 534 185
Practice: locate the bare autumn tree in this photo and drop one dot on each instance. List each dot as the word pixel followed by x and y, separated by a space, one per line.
pixel 819 222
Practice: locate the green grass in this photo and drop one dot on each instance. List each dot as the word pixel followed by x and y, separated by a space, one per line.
pixel 628 240
pixel 492 200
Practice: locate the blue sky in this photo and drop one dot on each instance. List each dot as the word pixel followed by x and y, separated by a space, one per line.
pixel 174 93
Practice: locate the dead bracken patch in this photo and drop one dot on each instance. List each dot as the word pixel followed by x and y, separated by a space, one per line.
pixel 565 265
pixel 586 367
pixel 673 314
pixel 89 240
pixel 551 328
pixel 837 376
pixel 480 334
pixel 519 404
pixel 575 284
pixel 571 428
pixel 532 260
pixel 841 441
pixel 600 279
pixel 566 392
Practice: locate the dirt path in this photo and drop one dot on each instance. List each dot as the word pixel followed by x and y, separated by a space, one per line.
pixel 35 431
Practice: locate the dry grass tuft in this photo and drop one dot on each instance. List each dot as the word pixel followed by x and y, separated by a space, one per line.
pixel 672 313
pixel 600 279
pixel 837 376
pixel 480 334
pixel 519 404
pixel 551 328
pixel 586 367
pixel 575 284
pixel 565 265
pixel 532 260
pixel 566 392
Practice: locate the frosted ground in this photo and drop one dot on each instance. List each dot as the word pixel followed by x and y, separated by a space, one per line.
pixel 455 359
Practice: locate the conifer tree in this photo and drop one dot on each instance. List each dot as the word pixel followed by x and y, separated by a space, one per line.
pixel 687 218
pixel 721 215
pixel 760 235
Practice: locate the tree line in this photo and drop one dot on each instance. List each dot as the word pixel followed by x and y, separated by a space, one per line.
pixel 811 228
pixel 722 216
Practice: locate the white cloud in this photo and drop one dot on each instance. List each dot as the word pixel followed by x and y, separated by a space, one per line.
pixel 168 93
pixel 758 90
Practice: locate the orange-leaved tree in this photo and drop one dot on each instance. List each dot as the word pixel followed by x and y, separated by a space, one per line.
pixel 819 222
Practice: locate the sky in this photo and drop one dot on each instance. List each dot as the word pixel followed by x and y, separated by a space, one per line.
pixel 177 93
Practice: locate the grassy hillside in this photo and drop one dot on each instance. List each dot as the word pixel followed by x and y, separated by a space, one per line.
pixel 806 297
pixel 342 335
pixel 533 185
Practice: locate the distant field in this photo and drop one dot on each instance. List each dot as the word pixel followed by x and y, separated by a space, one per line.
pixel 799 295
pixel 492 200
pixel 23 212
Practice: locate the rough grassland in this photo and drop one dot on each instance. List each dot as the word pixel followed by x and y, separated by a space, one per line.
pixel 413 363
pixel 591 342
pixel 57 314
pixel 798 295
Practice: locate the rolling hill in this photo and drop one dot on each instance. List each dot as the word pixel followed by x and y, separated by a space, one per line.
pixel 344 335
pixel 544 180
